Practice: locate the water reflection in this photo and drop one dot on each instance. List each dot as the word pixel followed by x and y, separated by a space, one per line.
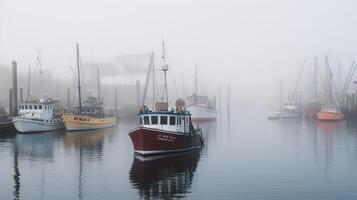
pixel 164 177
pixel 89 145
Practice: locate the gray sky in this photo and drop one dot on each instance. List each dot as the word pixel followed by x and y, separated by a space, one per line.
pixel 252 44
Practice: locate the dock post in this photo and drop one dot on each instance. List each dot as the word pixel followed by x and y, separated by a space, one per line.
pixel 21 95
pixel 68 97
pixel 14 88
pixel 10 102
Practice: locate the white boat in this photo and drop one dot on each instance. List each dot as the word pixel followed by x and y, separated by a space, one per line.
pixel 291 110
pixel 38 117
pixel 201 108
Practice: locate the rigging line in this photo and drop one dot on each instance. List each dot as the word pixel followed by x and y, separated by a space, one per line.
pixel 323 84
pixel 174 80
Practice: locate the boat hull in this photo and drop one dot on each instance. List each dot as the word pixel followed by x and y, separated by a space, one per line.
pixel 148 141
pixel 329 116
pixel 25 125
pixel 291 114
pixel 199 113
pixel 85 123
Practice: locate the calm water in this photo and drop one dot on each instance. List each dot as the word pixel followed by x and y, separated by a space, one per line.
pixel 253 159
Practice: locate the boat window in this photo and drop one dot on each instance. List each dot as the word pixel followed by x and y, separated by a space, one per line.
pixel 35 107
pixel 163 120
pixel 140 121
pixel 40 107
pixel 172 120
pixel 154 119
pixel 179 121
pixel 26 107
pixel 186 120
pixel 19 107
pixel 146 120
pixel 30 106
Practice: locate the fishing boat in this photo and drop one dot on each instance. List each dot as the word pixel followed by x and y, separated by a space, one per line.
pixel 291 110
pixel 201 107
pixel 38 116
pixel 6 123
pixel 330 112
pixel 165 130
pixel 91 116
pixel 274 116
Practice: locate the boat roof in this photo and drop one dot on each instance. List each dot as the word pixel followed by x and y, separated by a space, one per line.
pixel 164 113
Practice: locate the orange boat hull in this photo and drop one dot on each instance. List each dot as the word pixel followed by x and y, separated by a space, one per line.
pixel 329 116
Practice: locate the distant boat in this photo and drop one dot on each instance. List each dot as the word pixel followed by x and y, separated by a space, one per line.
pixel 38 116
pixel 89 117
pixel 274 116
pixel 330 112
pixel 201 107
pixel 6 123
pixel 291 110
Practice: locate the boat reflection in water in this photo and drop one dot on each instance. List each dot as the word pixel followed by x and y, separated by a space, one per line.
pixel 164 176
pixel 88 142
pixel 89 145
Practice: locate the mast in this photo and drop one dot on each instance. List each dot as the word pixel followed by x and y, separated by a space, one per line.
pixel 29 82
pixel 153 79
pixel 41 77
pixel 196 79
pixel 314 83
pixel 79 83
pixel 98 84
pixel 165 67
pixel 281 95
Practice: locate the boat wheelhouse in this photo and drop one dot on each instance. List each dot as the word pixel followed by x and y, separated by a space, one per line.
pixel 178 122
pixel 38 116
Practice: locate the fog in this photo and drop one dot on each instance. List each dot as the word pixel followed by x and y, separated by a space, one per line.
pixel 251 45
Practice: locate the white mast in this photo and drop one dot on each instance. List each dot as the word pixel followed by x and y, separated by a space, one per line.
pixel 196 79
pixel 164 68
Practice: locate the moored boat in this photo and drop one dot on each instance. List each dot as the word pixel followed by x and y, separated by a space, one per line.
pixel 91 116
pixel 165 130
pixel 201 107
pixel 40 116
pixel 330 112
pixel 291 110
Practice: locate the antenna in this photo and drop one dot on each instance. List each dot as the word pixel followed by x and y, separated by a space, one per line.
pixel 196 78
pixel 79 83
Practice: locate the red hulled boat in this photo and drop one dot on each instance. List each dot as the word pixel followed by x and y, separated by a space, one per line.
pixel 164 131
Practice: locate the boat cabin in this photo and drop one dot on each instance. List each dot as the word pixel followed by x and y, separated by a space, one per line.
pixel 331 108
pixel 168 121
pixel 36 110
pixel 203 101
